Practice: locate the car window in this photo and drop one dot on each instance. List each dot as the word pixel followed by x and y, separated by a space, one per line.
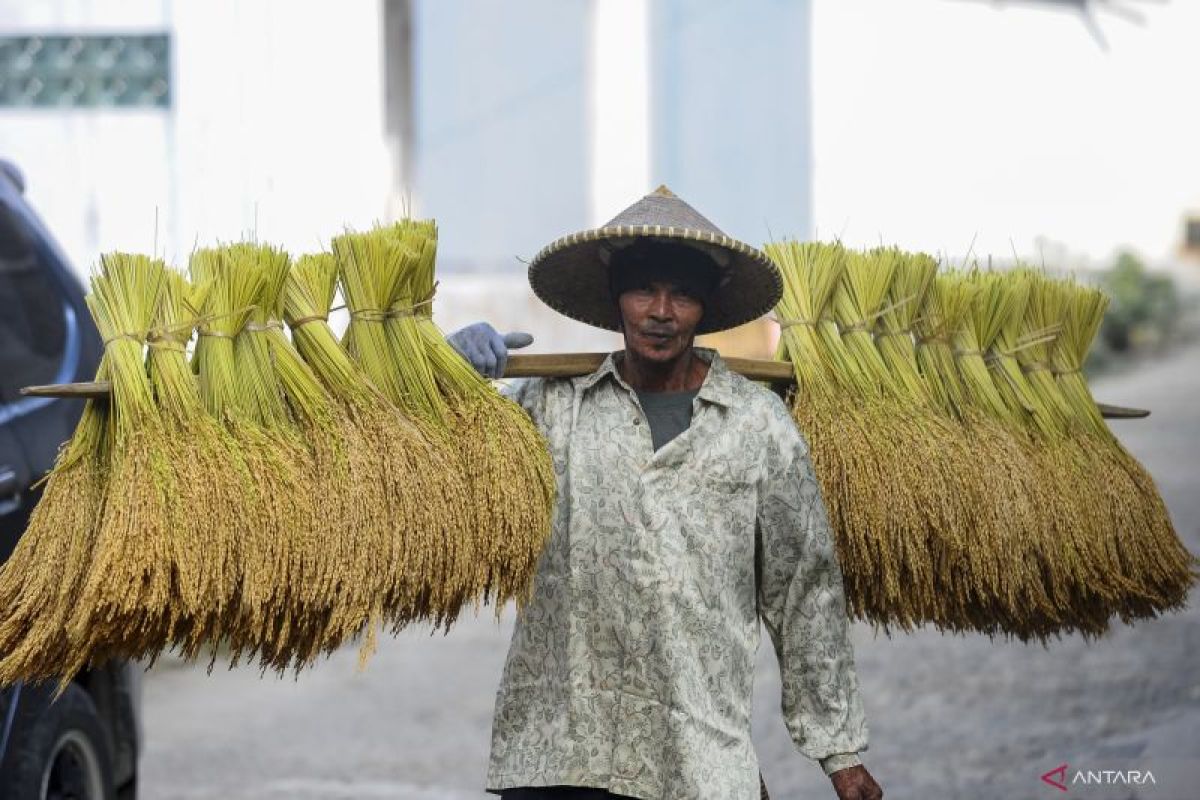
pixel 32 325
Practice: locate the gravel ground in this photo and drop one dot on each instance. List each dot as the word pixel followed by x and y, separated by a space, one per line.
pixel 949 716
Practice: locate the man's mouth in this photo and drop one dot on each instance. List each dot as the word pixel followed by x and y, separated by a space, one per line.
pixel 659 336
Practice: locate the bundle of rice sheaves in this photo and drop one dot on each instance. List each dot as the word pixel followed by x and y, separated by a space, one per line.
pixel 41 581
pixel 489 547
pixel 837 430
pixel 509 470
pixel 371 266
pixel 241 391
pixel 969 477
pixel 392 454
pixel 128 602
pixel 1066 547
pixel 953 492
pixel 884 506
pixel 886 464
pixel 1144 568
pixel 1002 509
pixel 335 589
pixel 212 486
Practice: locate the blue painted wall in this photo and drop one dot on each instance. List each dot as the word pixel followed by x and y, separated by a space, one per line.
pixel 501 126
pixel 730 99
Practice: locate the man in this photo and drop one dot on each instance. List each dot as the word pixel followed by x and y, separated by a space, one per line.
pixel 687 511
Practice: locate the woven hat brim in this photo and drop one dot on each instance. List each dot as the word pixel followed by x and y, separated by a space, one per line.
pixel 571 276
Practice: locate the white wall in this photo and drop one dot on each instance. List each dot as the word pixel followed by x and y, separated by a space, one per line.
pixel 276 127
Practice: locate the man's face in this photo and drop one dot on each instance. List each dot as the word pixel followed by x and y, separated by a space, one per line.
pixel 659 319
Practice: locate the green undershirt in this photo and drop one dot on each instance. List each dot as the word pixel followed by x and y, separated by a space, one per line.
pixel 669 414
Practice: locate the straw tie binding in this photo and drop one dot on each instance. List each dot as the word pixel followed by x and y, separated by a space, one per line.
pixel 862 325
pixel 163 339
pixel 379 315
pixel 301 321
pixel 369 315
pixel 140 338
pixel 259 327
pixel 865 324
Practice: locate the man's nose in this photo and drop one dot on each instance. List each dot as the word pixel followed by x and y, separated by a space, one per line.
pixel 660 306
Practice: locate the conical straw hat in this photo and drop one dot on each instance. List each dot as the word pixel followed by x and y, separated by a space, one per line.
pixel 571 274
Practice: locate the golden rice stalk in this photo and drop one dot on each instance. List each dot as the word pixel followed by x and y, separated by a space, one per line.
pixel 383 341
pixel 1019 510
pixel 281 394
pixel 964 548
pixel 343 570
pixel 1000 595
pixel 915 515
pixel 1144 543
pixel 400 455
pixel 1064 548
pixel 281 507
pixel 41 581
pixel 511 476
pixel 1085 570
pixel 843 435
pixel 811 271
pixel 129 604
pixel 209 475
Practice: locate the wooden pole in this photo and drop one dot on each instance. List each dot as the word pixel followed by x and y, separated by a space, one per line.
pixel 553 365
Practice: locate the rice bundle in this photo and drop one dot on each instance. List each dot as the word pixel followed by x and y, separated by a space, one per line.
pixel 129 603
pixel 1037 603
pixel 333 590
pixel 209 498
pixel 240 390
pixel 838 405
pixel 811 271
pixel 999 480
pixel 1071 549
pixel 1147 563
pixel 954 492
pixel 41 581
pixel 371 267
pixel 955 479
pixel 391 454
pixel 509 470
pixel 917 519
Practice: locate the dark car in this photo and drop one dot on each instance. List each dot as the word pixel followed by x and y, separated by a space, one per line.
pixel 84 744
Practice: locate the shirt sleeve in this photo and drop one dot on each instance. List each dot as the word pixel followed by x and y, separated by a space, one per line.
pixel 802 603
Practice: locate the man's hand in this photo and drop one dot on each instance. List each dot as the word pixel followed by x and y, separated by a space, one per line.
pixel 855 783
pixel 485 348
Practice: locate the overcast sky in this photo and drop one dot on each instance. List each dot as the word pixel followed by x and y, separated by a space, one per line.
pixel 939 120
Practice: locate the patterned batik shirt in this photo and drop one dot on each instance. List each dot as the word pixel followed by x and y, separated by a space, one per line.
pixel 632 666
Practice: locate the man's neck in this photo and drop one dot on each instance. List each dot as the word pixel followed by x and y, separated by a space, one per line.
pixel 683 374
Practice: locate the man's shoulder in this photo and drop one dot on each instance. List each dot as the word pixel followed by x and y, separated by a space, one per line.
pixel 762 409
pixel 756 398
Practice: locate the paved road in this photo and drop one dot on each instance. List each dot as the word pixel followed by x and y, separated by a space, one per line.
pixel 950 716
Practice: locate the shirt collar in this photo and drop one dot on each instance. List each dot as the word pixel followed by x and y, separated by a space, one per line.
pixel 716 388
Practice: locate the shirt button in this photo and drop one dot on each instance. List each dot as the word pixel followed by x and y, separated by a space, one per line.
pixel 637 420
